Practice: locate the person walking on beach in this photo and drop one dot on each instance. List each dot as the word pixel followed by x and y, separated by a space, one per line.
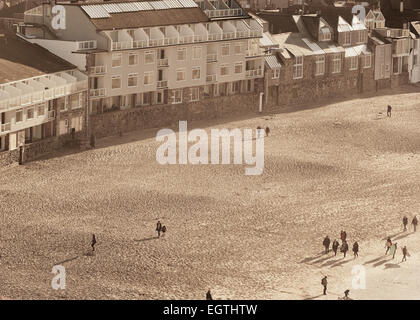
pixel 343 236
pixel 405 222
pixel 344 248
pixel 158 228
pixel 346 295
pixel 93 242
pixel 326 244
pixel 356 249
pixel 405 254
pixel 414 223
pixel 335 246
pixel 388 245
pixel 208 295
pixel 388 111
pixel 163 230
pixel 267 131
pixel 393 250
pixel 324 283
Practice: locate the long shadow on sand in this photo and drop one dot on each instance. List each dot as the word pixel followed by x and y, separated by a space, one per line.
pixel 146 239
pixel 403 236
pixel 312 298
pixel 339 264
pixel 394 235
pixel 380 263
pixel 372 261
pixel 392 266
pixel 308 259
pixel 322 260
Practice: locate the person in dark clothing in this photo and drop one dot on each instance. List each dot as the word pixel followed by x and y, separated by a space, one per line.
pixel 356 249
pixel 388 245
pixel 158 228
pixel 267 131
pixel 414 223
pixel 344 235
pixel 326 244
pixel 389 110
pixel 93 242
pixel 405 253
pixel 344 248
pixel 208 295
pixel 335 246
pixel 163 230
pixel 324 283
pixel 405 222
pixel 346 294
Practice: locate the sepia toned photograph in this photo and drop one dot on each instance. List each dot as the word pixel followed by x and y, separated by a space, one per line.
pixel 205 150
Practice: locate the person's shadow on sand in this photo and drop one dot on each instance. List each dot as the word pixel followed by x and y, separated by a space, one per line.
pixel 146 239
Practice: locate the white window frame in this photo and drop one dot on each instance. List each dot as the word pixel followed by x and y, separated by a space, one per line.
pixel 197 90
pixel 163 97
pixel 239 45
pixel 199 73
pixel 399 65
pixel 336 62
pixel 27 113
pixel 116 57
pixel 298 65
pixel 184 53
pixel 320 65
pixel 367 57
pixel 39 107
pixel 131 76
pixel 238 64
pixel 174 96
pixel 148 54
pixel 325 36
pixel 346 38
pixel 19 111
pixel 276 73
pixel 147 74
pixel 354 62
pixel 113 78
pixel 224 66
pixel 181 71
pixel 226 45
pixel 136 59
pixel 196 50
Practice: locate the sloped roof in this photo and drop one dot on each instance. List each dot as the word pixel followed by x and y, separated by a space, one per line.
pixel 273 62
pixel 279 22
pixel 20 59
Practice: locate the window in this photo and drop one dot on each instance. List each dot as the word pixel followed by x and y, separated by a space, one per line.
pixel 224 70
pixel 195 94
pixel 132 79
pixel 196 53
pixel 276 73
pixel 226 49
pixel 336 63
pixel 325 34
pixel 30 113
pixel 298 68
pixel 63 126
pixel 116 82
pixel 238 67
pixel 180 74
pixel 353 63
pixel 367 61
pixel 75 100
pixel 346 38
pixel 149 57
pixel 181 54
pixel 19 115
pixel 361 36
pixel 238 48
pixel 177 96
pixel 236 86
pixel 133 59
pixel 116 60
pixel 196 73
pixel 61 103
pixel 320 65
pixel 41 110
pixel 159 97
pixel 396 65
pixel 77 123
pixel 147 78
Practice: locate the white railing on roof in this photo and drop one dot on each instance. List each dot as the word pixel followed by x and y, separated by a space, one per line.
pixel 37 11
pixel 223 13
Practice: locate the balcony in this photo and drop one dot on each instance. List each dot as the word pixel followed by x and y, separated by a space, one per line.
pixel 86 45
pixel 97 70
pixel 162 84
pixel 5 128
pixel 223 13
pixel 163 62
pixel 97 93
pixel 211 78
pixel 211 57
pixel 257 73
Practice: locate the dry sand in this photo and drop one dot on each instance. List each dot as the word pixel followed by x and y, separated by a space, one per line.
pixel 334 166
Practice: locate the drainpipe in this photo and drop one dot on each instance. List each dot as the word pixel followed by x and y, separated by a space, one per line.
pixel 402 6
pixel 261 102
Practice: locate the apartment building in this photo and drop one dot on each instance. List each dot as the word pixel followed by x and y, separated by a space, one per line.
pixel 414 62
pixel 41 95
pixel 155 52
pixel 318 56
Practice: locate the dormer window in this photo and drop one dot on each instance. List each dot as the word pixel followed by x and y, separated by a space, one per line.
pixel 324 34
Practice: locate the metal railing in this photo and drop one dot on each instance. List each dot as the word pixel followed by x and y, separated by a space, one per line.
pixel 162 84
pixel 97 70
pixel 163 62
pixel 211 78
pixel 86 45
pixel 5 127
pixel 100 92
pixel 253 73
pixel 223 13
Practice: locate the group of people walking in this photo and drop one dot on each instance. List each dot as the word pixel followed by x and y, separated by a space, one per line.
pixel 392 249
pixel 344 245
pixel 414 222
